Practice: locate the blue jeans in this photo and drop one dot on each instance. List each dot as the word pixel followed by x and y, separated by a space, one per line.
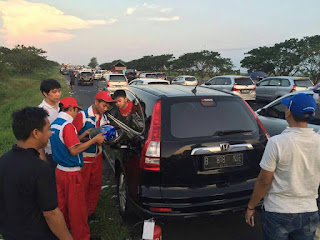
pixel 283 226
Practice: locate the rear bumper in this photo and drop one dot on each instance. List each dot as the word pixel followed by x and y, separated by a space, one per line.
pixel 248 97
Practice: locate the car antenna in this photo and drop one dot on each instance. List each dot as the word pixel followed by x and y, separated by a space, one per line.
pixel 194 91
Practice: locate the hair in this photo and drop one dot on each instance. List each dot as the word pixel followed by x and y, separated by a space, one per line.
pixel 301 119
pixel 24 121
pixel 49 84
pixel 119 93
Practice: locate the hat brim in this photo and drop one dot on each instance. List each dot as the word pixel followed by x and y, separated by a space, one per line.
pixel 286 101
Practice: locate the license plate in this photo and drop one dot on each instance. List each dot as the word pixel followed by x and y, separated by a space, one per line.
pixel 245 91
pixel 223 161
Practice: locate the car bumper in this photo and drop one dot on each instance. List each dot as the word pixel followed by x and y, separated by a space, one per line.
pixel 248 97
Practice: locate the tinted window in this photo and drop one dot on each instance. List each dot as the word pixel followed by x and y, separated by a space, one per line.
pixel 274 82
pixel 190 118
pixel 88 74
pixel 161 75
pixel 163 83
pixel 151 76
pixel 264 83
pixel 191 79
pixel 303 83
pixel 276 111
pixel 114 78
pixel 243 81
pixel 213 81
pixel 220 81
pixel 285 83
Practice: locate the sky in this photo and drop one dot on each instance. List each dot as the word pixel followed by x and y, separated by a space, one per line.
pixel 74 31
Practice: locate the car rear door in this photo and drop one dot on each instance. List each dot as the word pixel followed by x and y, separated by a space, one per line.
pixel 208 141
pixel 261 88
pixel 302 84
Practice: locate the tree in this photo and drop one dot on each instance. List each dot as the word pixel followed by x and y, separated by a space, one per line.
pixel 93 62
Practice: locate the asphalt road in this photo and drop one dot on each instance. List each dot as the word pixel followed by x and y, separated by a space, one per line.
pixel 231 227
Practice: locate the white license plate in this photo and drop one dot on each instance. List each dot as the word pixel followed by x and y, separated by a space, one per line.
pixel 222 161
pixel 245 91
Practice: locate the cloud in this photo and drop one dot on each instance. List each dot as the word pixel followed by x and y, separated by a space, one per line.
pixel 150 6
pixel 38 23
pixel 175 18
pixel 130 10
pixel 166 10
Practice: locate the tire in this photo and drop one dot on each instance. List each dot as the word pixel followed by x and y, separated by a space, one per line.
pixel 122 191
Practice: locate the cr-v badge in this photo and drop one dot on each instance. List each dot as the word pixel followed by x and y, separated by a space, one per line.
pixel 224 146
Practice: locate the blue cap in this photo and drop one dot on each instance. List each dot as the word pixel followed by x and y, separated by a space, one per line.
pixel 301 104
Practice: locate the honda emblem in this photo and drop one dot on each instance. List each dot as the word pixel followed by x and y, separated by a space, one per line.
pixel 224 146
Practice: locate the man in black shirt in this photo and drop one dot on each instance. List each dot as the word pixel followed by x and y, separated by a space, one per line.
pixel 28 198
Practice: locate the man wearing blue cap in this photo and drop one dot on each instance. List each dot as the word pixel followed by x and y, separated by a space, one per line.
pixel 289 177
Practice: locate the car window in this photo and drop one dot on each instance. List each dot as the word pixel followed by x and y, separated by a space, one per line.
pixel 150 75
pixel 285 83
pixel 161 75
pixel 276 111
pixel 162 83
pixel 243 81
pixel 213 81
pixel 133 83
pixel 191 79
pixel 220 81
pixel 303 83
pixel 210 115
pixel 117 78
pixel 264 83
pixel 86 74
pixel 274 82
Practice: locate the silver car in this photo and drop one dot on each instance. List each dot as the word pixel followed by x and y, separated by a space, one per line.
pixel 243 86
pixel 272 88
pixel 112 82
pixel 272 116
pixel 147 81
pixel 185 80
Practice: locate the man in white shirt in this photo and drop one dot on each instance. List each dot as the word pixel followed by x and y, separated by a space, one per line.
pixel 51 90
pixel 290 176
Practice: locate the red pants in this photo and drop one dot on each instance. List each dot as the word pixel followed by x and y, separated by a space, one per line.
pixel 92 178
pixel 72 203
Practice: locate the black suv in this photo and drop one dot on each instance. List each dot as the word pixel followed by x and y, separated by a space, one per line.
pixel 185 152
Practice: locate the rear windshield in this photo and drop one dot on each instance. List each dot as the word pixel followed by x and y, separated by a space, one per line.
pixel 243 81
pixel 192 119
pixel 161 75
pixel 303 83
pixel 117 78
pixel 151 76
pixel 163 83
pixel 191 79
pixel 86 73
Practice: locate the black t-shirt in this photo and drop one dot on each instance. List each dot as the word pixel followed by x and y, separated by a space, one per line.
pixel 27 187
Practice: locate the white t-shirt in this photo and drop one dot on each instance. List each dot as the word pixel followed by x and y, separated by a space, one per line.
pixel 294 157
pixel 53 114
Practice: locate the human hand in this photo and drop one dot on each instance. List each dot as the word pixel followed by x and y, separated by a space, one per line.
pixel 249 216
pixel 100 139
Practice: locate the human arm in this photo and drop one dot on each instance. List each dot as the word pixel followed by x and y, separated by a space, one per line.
pixel 84 136
pixel 76 149
pixel 57 224
pixel 261 187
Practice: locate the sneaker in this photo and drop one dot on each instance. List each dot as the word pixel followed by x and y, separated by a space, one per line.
pixel 93 218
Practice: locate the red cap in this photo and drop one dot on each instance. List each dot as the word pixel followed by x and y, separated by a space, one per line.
pixel 104 95
pixel 69 101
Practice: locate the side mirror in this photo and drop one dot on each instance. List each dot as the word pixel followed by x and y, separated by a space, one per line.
pixel 257 84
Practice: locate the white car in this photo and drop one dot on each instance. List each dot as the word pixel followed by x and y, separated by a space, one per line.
pixel 147 81
pixel 98 74
pixel 185 80
pixel 112 82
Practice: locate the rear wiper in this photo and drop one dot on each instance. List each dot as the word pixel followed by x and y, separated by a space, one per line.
pixel 230 132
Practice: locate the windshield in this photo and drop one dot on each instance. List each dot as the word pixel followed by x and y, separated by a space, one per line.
pixel 243 81
pixel 151 76
pixel 163 83
pixel 191 79
pixel 198 118
pixel 87 74
pixel 161 75
pixel 303 83
pixel 117 78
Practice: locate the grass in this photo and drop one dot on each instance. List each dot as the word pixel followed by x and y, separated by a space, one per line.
pixel 21 91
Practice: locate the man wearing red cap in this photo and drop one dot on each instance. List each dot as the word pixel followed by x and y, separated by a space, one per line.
pixel 67 153
pixel 93 117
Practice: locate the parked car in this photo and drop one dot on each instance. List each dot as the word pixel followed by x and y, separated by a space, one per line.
pixel 272 88
pixel 146 81
pixel 243 86
pixel 85 78
pixel 98 74
pixel 185 153
pixel 158 75
pixel 272 115
pixel 185 80
pixel 112 82
pixel 131 74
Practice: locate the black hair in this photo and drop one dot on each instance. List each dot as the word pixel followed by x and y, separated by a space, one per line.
pixel 24 121
pixel 65 109
pixel 301 119
pixel 119 93
pixel 49 84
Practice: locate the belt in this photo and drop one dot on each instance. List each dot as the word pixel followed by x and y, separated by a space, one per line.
pixel 68 169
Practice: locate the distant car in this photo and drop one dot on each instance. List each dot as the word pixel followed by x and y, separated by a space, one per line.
pixel 98 74
pixel 242 86
pixel 112 82
pixel 272 116
pixel 185 80
pixel 64 71
pixel 130 74
pixel 146 81
pixel 272 88
pixel 85 78
pixel 158 75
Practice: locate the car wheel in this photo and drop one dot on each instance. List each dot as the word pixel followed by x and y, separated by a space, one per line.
pixel 122 189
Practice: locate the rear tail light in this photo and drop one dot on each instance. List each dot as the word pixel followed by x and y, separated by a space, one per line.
pixel 235 89
pixel 258 120
pixel 108 83
pixel 185 83
pixel 294 88
pixel 150 154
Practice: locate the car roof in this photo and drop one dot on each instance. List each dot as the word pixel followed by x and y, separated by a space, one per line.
pixel 288 77
pixel 186 76
pixel 150 80
pixel 233 76
pixel 179 90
